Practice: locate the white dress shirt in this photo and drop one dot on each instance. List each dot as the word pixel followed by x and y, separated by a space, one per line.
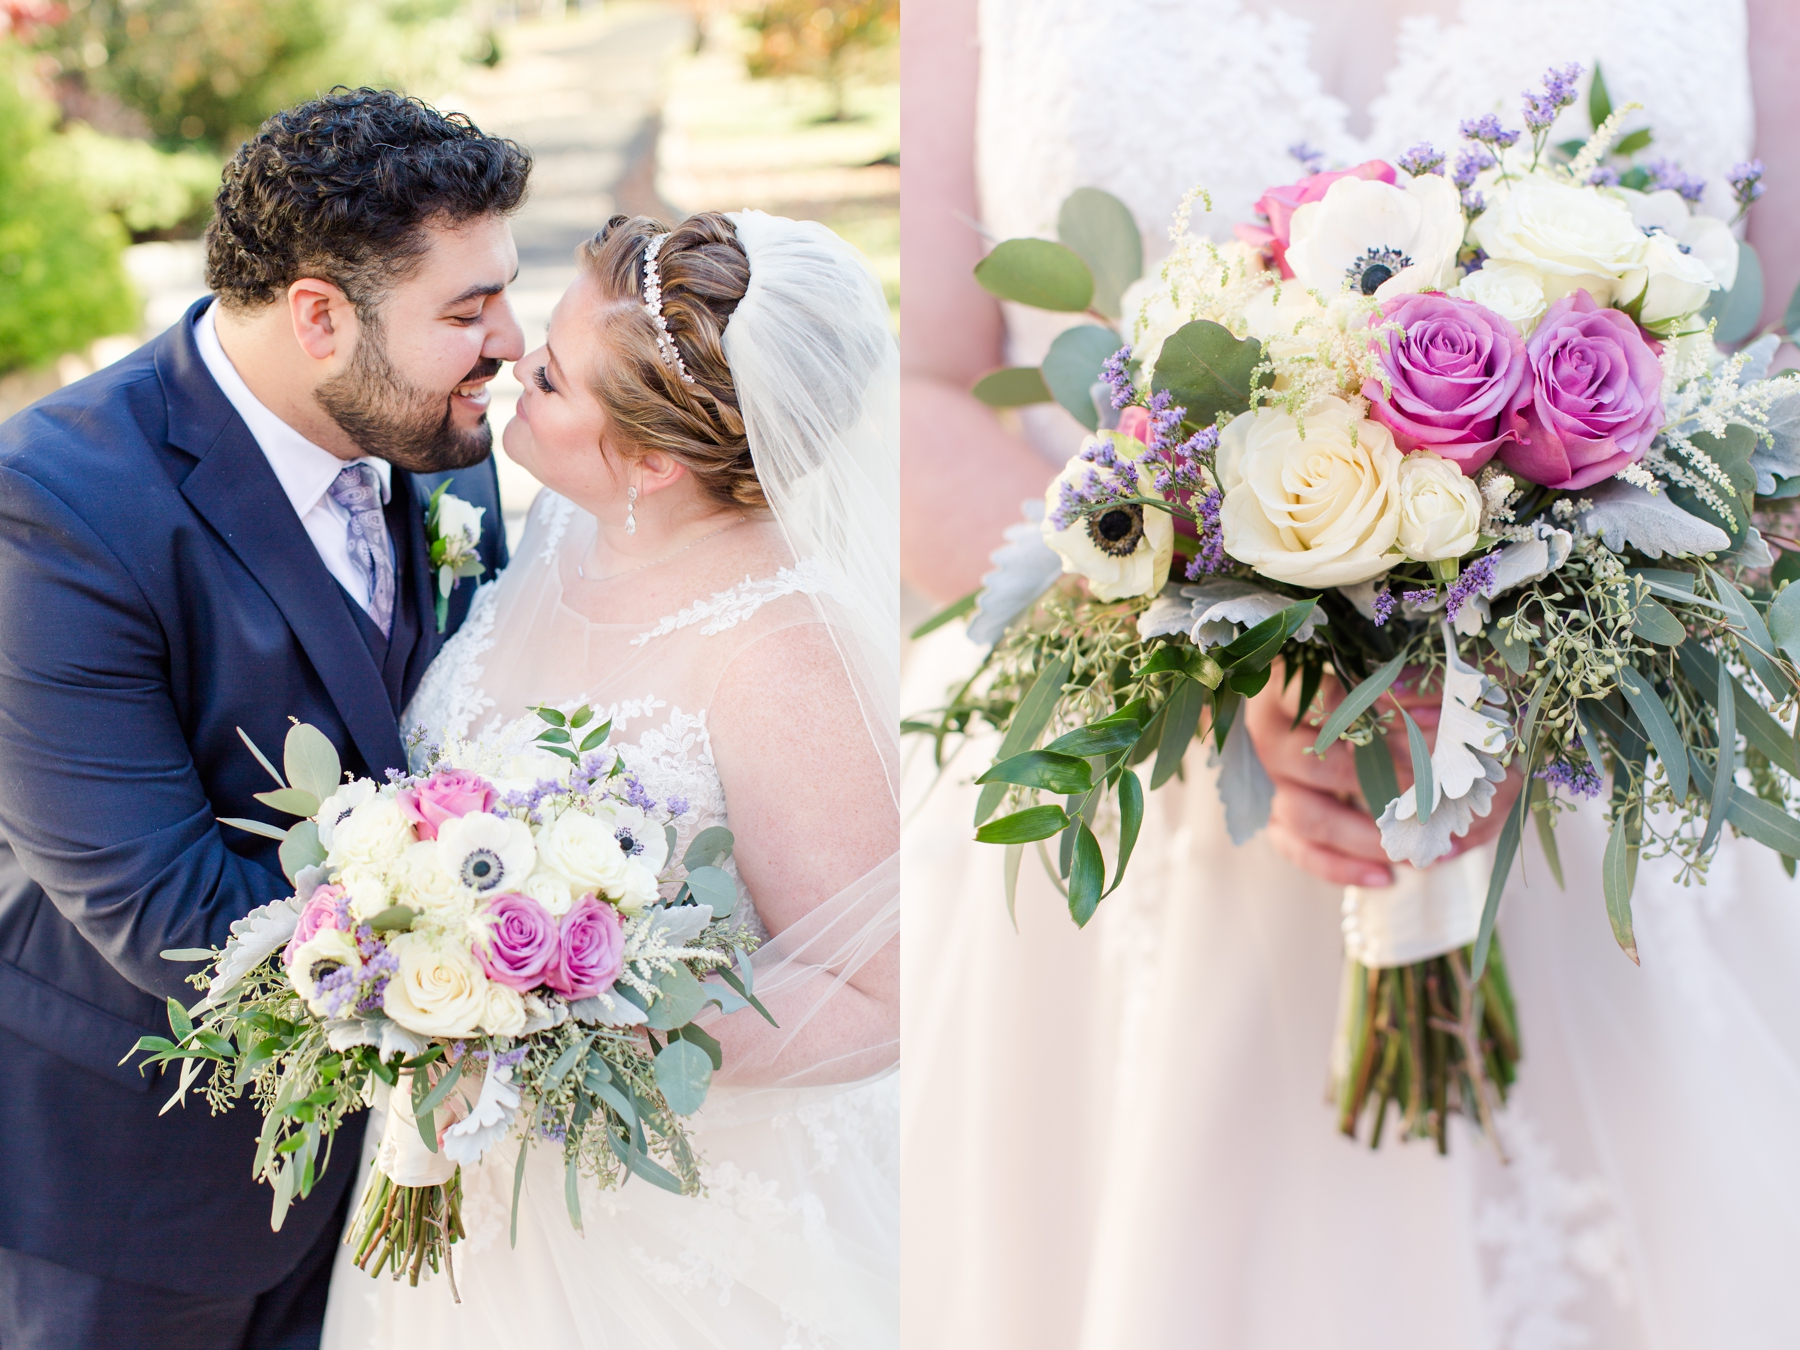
pixel 304 470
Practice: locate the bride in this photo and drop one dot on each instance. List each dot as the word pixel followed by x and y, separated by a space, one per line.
pixel 1158 1167
pixel 712 566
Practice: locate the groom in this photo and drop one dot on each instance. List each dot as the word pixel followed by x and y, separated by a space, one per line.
pixel 224 530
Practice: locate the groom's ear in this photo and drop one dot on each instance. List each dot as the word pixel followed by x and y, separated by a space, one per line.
pixel 324 320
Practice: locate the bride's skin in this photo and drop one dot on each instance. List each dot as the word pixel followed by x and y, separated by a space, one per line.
pixel 809 804
pixel 964 472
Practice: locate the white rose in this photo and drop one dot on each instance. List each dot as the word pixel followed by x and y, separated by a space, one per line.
pixel 554 893
pixel 1123 551
pixel 374 834
pixel 1512 290
pixel 1575 238
pixel 456 517
pixel 340 804
pixel 486 853
pixel 585 851
pixel 367 889
pixel 1679 283
pixel 1316 510
pixel 437 990
pixel 1704 237
pixel 639 890
pixel 1440 509
pixel 504 1011
pixel 1378 238
pixel 428 885
pixel 327 950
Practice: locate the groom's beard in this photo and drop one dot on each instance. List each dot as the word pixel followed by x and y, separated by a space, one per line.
pixel 407 426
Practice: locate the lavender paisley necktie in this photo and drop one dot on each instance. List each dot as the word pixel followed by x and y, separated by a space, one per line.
pixel 358 490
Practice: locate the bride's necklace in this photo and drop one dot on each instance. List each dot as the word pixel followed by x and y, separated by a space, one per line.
pixel 713 534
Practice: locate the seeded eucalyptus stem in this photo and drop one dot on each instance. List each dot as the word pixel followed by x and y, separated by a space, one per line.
pixel 1429 1041
pixel 407 1228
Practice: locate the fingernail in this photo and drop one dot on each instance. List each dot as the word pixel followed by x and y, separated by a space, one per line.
pixel 1377 879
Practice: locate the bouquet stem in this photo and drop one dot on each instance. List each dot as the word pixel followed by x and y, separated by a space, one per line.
pixel 407 1228
pixel 1427 1040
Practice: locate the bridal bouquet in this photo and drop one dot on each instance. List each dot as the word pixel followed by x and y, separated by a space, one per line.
pixel 1465 423
pixel 491 947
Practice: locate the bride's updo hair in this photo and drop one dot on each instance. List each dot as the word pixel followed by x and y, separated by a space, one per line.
pixel 704 273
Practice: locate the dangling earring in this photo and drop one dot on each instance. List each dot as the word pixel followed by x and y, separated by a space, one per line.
pixel 631 510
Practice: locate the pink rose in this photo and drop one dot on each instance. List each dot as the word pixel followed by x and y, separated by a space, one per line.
pixel 1135 421
pixel 326 909
pixel 1597 400
pixel 521 942
pixel 445 796
pixel 1278 205
pixel 591 950
pixel 1457 379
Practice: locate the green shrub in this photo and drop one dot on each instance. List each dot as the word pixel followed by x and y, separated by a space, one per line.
pixel 62 282
pixel 153 192
pixel 825 40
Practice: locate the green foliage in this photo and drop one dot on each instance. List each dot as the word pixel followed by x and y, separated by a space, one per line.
pixel 1209 372
pixel 1012 387
pixel 210 71
pixel 824 40
pixel 1037 272
pixel 1101 229
pixel 62 282
pixel 151 191
pixel 1738 309
pixel 1072 365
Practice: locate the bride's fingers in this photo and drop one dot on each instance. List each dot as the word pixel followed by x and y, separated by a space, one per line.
pixel 1327 837
pixel 1283 748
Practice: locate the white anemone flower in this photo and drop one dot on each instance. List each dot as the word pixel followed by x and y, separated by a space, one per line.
pixel 340 804
pixel 487 854
pixel 1123 551
pixel 640 839
pixel 1378 238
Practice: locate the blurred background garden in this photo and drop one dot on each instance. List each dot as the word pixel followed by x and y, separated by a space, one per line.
pixel 116 117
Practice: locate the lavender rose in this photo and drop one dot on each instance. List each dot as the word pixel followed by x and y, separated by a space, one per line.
pixel 1457 379
pixel 326 909
pixel 521 942
pixel 1597 401
pixel 591 952
pixel 445 796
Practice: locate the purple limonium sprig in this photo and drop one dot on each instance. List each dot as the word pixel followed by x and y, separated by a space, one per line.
pixel 1209 546
pixel 1310 159
pixel 635 794
pixel 1580 780
pixel 1165 421
pixel 1746 183
pixel 1074 501
pixel 555 1131
pixel 1604 177
pixel 678 806
pixel 529 800
pixel 1666 173
pixel 1420 597
pixel 1183 467
pixel 1117 379
pixel 1470 161
pixel 1487 130
pixel 1476 579
pixel 1558 93
pixel 1384 606
pixel 1423 158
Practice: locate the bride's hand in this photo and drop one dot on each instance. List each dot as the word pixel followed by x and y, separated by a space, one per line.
pixel 1317 820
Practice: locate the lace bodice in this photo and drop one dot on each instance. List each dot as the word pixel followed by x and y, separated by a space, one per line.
pixel 1150 98
pixel 655 699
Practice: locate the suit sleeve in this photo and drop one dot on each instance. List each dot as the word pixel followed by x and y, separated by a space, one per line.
pixel 99 794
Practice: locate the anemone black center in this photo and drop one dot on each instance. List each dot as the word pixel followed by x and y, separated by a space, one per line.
pixel 1118 530
pixel 1376 266
pixel 481 870
pixel 627 843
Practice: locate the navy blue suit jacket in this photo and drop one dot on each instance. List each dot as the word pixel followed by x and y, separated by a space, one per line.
pixel 157 592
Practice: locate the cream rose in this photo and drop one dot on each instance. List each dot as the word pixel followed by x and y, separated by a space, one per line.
pixel 374 834
pixel 428 885
pixel 554 893
pixel 1313 510
pixel 584 851
pixel 1678 285
pixel 367 889
pixel 503 1012
pixel 1512 290
pixel 1123 551
pixel 458 519
pixel 1573 237
pixel 639 889
pixel 438 990
pixel 1440 508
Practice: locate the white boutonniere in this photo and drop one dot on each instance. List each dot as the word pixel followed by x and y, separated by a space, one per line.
pixel 453 532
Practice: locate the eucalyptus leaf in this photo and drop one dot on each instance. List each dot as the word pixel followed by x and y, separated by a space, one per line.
pixel 1615 883
pixel 261 758
pixel 311 761
pixel 1738 309
pixel 1012 387
pixel 1102 230
pixel 684 1073
pixel 1072 365
pixel 1650 710
pixel 1357 701
pixel 1784 621
pixel 1599 102
pixel 1131 819
pixel 1208 371
pixel 709 848
pixel 254 827
pixel 300 849
pixel 292 801
pixel 1726 707
pixel 1424 789
pixel 1045 769
pixel 1505 850
pixel 1636 141
pixel 1029 719
pixel 1022 827
pixel 1015 854
pixel 1099 738
pixel 1757 641
pixel 1655 624
pixel 1039 273
pixel 713 888
pixel 1258 647
pixel 679 999
pixel 1375 775
pixel 1763 731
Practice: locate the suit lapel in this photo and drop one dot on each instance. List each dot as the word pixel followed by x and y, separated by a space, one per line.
pixel 235 490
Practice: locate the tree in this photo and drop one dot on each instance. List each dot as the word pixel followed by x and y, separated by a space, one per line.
pixel 825 42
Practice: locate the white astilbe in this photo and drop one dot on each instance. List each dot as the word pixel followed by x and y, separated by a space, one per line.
pixel 657 945
pixel 1499 493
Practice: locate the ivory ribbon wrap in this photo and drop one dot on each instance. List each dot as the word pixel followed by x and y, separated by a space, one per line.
pixel 402 1156
pixel 1425 913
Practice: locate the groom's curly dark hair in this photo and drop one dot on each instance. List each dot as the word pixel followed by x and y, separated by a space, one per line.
pixel 342 187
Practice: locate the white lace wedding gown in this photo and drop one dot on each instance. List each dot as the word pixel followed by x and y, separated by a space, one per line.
pixel 796 1241
pixel 1156 1167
